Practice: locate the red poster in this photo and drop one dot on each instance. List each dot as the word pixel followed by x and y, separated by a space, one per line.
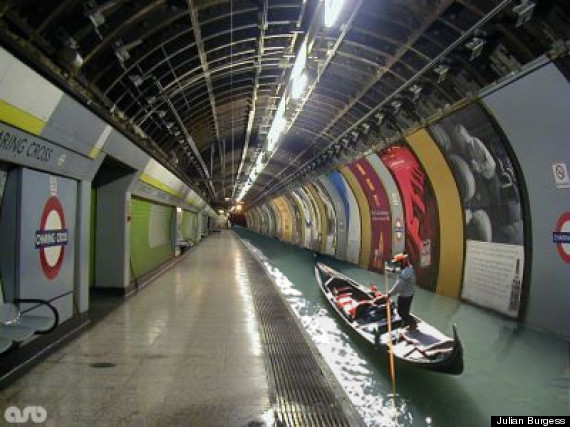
pixel 420 210
pixel 381 239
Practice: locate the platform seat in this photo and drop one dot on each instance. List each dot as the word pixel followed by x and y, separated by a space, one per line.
pixel 5 345
pixel 16 327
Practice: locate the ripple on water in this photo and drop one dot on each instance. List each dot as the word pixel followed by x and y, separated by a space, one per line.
pixel 357 376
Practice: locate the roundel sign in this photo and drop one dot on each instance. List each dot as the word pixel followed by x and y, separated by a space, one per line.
pixel 52 238
pixel 561 236
pixel 399 229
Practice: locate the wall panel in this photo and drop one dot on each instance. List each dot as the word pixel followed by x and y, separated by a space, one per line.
pixel 151 231
pixel 364 213
pixel 422 234
pixel 489 188
pixel 352 216
pixel 538 130
pixel 340 215
pixel 451 239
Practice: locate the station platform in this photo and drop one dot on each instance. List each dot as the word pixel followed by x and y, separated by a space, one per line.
pixel 209 342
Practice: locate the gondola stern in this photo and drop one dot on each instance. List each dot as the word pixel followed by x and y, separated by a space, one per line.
pixel 456 365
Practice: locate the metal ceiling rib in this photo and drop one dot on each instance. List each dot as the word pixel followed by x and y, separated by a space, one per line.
pixel 413 36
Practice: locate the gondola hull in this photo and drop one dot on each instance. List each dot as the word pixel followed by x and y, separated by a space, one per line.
pixel 366 314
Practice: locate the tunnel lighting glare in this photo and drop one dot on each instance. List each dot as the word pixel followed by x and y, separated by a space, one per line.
pixel 300 62
pixel 332 10
pixel 239 208
pixel 298 87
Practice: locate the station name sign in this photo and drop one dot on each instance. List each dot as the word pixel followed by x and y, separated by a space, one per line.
pixel 50 238
pixel 15 144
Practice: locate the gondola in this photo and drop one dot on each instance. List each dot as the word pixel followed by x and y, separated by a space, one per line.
pixel 364 311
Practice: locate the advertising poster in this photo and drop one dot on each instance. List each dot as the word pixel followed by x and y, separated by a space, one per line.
pixel 318 219
pixel 380 221
pixel 305 214
pixel 286 220
pixel 297 218
pixel 420 210
pixel 341 219
pixel 490 193
pixel 352 216
pixel 311 221
pixel 331 237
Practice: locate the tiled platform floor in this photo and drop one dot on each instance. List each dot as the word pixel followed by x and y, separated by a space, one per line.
pixel 185 351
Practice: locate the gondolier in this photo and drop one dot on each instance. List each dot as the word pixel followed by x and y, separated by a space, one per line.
pixel 424 347
pixel 404 288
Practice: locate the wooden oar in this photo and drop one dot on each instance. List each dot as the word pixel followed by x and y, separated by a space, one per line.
pixel 390 346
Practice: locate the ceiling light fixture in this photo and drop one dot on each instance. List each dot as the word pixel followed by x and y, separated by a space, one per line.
pixel 332 11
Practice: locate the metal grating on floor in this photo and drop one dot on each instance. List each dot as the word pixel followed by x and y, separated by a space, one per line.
pixel 302 394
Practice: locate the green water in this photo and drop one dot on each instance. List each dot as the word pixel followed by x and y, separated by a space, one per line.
pixel 509 369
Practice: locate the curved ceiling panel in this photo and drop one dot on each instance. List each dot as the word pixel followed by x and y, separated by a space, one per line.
pixel 200 80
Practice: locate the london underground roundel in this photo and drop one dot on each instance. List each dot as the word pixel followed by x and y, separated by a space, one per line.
pixel 52 237
pixel 561 237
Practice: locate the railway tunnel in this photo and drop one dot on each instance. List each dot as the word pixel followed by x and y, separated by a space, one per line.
pixel 171 169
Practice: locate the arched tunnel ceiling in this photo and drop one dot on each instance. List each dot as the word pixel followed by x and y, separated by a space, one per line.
pixel 201 79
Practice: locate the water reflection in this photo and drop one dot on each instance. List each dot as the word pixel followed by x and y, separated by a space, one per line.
pixel 353 372
pixel 510 369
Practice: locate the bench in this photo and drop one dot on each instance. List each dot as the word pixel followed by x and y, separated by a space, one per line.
pixel 16 327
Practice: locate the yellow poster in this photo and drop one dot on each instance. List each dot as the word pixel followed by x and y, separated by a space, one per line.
pixel 450 212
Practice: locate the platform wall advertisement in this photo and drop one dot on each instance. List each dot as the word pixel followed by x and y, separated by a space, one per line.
pixel 379 206
pixel 323 223
pixel 490 193
pixel 286 219
pixel 450 212
pixel 307 218
pixel 315 220
pixel 331 238
pixel 341 216
pixel 538 131
pixel 420 210
pixel 352 216
pixel 364 214
pixel 297 219
pixel 277 220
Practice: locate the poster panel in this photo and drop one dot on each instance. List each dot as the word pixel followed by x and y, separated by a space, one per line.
pixel 364 213
pixel 420 210
pixel 489 189
pixel 341 221
pixel 277 219
pixel 307 217
pixel 315 242
pixel 298 219
pixel 396 207
pixel 321 220
pixel 286 218
pixel 352 216
pixel 380 220
pixel 450 211
pixel 331 238
pixel 537 131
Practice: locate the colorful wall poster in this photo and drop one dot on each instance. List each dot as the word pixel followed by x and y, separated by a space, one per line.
pixel 420 210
